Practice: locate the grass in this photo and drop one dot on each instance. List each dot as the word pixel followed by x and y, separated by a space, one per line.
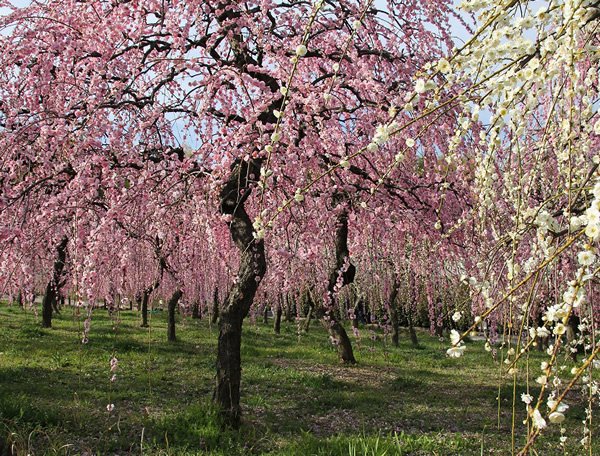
pixel 297 399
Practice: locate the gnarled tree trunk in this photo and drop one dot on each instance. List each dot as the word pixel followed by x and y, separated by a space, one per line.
pixel 237 304
pixel 53 287
pixel 345 272
pixel 171 307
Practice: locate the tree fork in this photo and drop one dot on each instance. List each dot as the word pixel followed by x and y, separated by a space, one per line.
pixel 148 291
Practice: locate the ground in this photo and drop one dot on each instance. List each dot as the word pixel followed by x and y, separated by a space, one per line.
pixel 297 398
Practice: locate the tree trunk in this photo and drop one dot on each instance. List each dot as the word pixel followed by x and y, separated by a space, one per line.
pixel 215 307
pixel 393 309
pixel 395 325
pixel 266 314
pixel 237 304
pixel 289 304
pixel 278 312
pixel 311 309
pixel 309 316
pixel 145 298
pixel 53 287
pixel 148 291
pixel 411 329
pixel 356 302
pixel 171 307
pixel 345 271
pixel 56 303
pixel 196 310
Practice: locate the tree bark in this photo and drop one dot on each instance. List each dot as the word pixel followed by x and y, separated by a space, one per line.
pixel 411 329
pixel 147 291
pixel 309 317
pixel 145 298
pixel 311 309
pixel 266 314
pixel 393 309
pixel 342 255
pixel 237 304
pixel 289 304
pixel 171 307
pixel 215 307
pixel 53 287
pixel 277 316
pixel 356 302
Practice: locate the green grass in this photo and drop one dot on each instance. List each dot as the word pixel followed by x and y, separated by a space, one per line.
pixel 297 399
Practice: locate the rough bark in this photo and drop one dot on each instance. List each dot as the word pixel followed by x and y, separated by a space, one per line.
pixel 171 307
pixel 53 287
pixel 237 304
pixel 342 254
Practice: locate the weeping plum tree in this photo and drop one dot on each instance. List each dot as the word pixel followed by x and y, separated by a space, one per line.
pixel 534 219
pixel 281 106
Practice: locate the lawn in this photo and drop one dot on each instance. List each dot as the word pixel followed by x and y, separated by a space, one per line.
pixel 55 393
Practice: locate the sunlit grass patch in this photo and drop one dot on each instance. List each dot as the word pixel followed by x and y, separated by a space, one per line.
pixel 296 397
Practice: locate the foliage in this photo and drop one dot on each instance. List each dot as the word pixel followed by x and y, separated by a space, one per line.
pixel 145 135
